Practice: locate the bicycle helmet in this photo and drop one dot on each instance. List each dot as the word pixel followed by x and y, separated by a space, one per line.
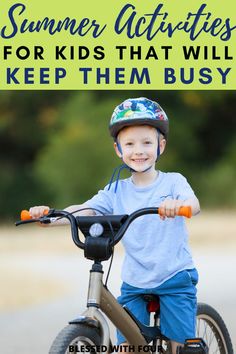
pixel 138 111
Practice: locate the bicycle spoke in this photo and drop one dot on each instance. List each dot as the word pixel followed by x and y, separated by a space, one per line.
pixel 206 331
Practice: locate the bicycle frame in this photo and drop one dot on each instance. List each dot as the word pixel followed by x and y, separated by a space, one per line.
pixel 101 300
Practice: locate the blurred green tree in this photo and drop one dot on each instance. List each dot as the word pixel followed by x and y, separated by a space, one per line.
pixel 26 121
pixel 56 149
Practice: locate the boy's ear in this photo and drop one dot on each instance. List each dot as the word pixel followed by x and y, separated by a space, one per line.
pixel 117 150
pixel 162 145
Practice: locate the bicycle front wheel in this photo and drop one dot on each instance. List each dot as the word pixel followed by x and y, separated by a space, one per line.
pixel 211 327
pixel 76 338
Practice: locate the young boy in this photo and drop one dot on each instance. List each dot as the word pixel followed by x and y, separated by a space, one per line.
pixel 158 260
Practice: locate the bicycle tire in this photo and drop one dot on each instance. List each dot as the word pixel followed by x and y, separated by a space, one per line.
pixel 76 335
pixel 211 327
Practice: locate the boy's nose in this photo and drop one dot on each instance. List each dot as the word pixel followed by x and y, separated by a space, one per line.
pixel 138 152
pixel 138 149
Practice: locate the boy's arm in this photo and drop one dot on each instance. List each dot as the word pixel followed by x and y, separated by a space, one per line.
pixel 39 211
pixel 170 207
pixel 76 210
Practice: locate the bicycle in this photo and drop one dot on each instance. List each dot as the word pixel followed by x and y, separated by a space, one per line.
pixel 90 331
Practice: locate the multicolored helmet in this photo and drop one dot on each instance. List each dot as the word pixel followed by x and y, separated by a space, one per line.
pixel 138 111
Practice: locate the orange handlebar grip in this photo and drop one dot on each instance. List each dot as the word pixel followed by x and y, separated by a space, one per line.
pixel 185 211
pixel 25 215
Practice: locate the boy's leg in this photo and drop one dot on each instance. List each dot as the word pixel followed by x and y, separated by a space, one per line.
pixel 174 346
pixel 131 297
pixel 178 307
pixel 123 348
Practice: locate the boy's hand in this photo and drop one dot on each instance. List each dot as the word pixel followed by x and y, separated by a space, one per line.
pixel 38 211
pixel 169 208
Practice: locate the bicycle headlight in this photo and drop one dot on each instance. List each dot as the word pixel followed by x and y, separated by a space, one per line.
pixel 96 230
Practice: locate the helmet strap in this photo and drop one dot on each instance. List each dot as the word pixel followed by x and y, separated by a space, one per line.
pixel 158 145
pixel 118 147
pixel 119 169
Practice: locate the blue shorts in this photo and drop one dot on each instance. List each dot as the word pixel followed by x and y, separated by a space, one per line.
pixel 178 305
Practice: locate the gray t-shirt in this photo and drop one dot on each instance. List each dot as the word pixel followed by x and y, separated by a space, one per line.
pixel 155 249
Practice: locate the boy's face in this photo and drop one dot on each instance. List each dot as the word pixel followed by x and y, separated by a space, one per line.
pixel 139 146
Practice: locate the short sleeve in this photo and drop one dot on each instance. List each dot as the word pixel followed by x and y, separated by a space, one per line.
pixel 102 201
pixel 181 188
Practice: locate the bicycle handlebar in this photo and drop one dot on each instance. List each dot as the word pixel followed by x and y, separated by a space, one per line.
pixel 52 213
pixel 183 211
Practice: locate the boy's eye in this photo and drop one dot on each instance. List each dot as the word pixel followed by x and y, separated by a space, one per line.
pixel 129 144
pixel 147 142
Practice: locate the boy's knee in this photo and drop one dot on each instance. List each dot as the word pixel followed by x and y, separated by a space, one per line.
pixel 123 348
